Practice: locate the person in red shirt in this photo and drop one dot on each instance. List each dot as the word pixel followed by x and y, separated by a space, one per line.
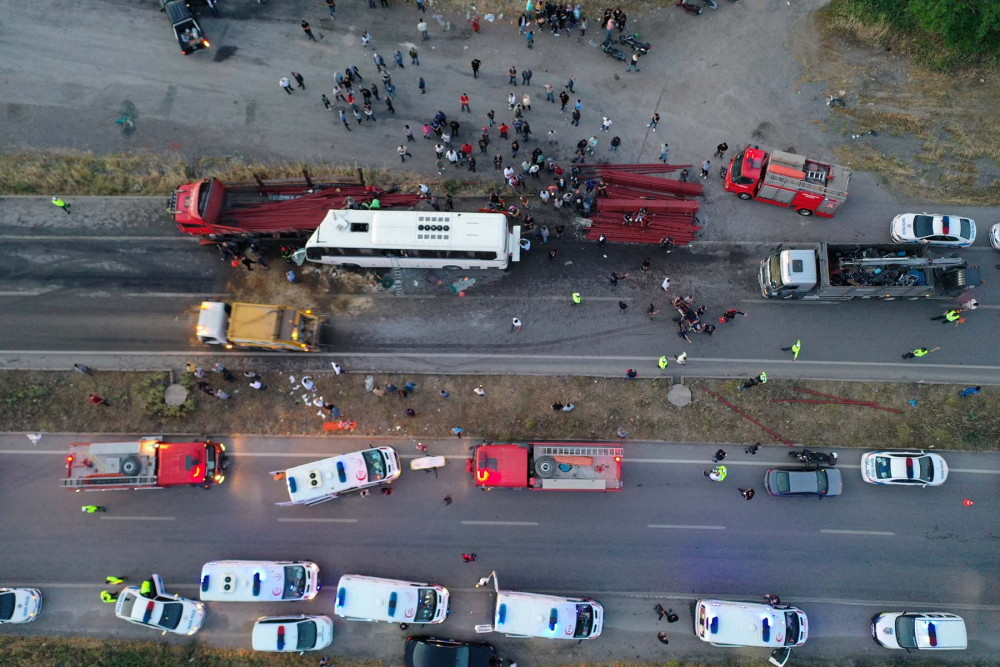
pixel 467 149
pixel 465 102
pixel 503 130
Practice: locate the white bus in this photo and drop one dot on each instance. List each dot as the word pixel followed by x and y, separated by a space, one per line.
pixel 415 240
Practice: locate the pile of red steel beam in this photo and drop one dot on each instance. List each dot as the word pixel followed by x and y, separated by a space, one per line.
pixel 670 214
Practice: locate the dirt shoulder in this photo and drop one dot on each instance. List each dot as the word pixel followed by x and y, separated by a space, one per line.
pixel 513 408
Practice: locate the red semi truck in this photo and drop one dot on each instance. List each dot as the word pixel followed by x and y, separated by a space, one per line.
pixel 144 464
pixel 556 466
pixel 785 179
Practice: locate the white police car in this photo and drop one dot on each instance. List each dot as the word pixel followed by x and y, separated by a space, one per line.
pixel 995 236
pixel 159 610
pixel 20 605
pixel 942 230
pixel 292 633
pixel 933 630
pixel 917 468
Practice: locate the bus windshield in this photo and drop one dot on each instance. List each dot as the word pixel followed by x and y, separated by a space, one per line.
pixel 584 621
pixel 375 463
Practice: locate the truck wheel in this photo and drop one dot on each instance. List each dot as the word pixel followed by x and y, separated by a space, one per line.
pixel 804 212
pixel 745 196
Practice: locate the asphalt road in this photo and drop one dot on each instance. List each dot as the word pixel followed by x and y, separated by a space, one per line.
pixel 670 536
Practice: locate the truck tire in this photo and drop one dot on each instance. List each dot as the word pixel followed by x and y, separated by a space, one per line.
pixel 804 212
pixel 745 196
pixel 130 466
pixel 545 467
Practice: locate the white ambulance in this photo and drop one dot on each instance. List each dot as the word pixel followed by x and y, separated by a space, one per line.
pixel 361 598
pixel 547 616
pixel 326 479
pixel 259 581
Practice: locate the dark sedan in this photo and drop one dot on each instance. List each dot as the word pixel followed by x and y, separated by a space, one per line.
pixel 434 652
pixel 803 482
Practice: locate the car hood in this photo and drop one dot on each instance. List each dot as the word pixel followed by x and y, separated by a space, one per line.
pixel 884 630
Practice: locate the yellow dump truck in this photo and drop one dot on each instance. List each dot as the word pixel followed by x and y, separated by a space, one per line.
pixel 258 326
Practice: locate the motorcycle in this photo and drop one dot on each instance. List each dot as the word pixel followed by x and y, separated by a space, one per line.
pixel 609 48
pixel 694 9
pixel 808 456
pixel 633 41
pixel 711 3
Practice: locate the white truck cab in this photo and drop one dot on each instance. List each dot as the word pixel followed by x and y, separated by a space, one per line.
pixel 361 598
pixel 259 581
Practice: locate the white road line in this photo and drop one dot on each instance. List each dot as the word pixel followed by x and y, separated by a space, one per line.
pixel 858 532
pixel 499 523
pixel 138 518
pixel 681 527
pixel 317 520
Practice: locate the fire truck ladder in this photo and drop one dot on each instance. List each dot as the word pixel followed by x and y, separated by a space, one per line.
pixel 108 482
pixel 557 450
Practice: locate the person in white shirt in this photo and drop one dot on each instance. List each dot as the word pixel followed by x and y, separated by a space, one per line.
pixel 544 196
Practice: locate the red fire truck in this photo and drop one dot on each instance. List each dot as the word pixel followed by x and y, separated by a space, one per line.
pixel 556 466
pixel 785 179
pixel 144 464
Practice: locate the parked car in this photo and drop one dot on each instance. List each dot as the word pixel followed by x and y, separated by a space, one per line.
pixel 292 633
pixel 803 482
pixel 434 652
pixel 917 468
pixel 995 236
pixel 919 630
pixel 159 610
pixel 20 605
pixel 943 230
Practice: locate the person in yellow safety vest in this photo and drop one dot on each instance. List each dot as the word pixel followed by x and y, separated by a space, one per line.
pixel 90 509
pixel 762 377
pixel 717 474
pixel 663 362
pixel 576 298
pixel 109 597
pixel 146 589
pixel 951 316
pixel 795 350
pixel 114 581
pixel 919 352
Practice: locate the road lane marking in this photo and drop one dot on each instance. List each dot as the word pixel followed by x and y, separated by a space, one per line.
pixel 138 518
pixel 858 532
pixel 499 523
pixel 317 520
pixel 682 527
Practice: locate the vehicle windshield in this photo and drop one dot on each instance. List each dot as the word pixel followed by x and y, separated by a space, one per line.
pixel 774 269
pixel 925 468
pixel 375 463
pixel 781 482
pixel 584 620
pixel 295 582
pixel 737 168
pixel 882 467
pixel 171 616
pixel 822 484
pixel 966 226
pixel 791 628
pixel 6 606
pixel 209 462
pixel 307 636
pixel 428 655
pixel 426 605
pixel 906 633
pixel 923 225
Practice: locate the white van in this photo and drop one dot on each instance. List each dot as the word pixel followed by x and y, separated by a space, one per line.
pixel 259 580
pixel 547 616
pixel 729 623
pixel 924 630
pixel 361 598
pixel 319 481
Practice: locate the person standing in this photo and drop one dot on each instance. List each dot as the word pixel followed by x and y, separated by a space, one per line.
pixel 794 349
pixel 59 203
pixel 326 102
pixel 747 493
pixel 299 80
pixel 719 151
pixel 752 449
pixel 515 325
pixel 97 399
pixel 422 86
pixel 705 167
pixel 464 99
pixel 526 77
pixel 476 63
pixel 719 455
pixel 332 4
pixel 550 93
pixel 664 152
pixel 422 28
pixel 654 121
pixel 307 30
pixel 397 56
pixel 615 143
pixel 369 114
pixel 634 65
pixel 420 6
pixel 285 84
pixel 414 60
pixel 731 314
pixel 403 153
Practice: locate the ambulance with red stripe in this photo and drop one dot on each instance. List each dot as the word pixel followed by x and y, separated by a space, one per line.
pixel 326 479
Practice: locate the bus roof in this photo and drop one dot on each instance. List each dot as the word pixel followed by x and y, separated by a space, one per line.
pixel 411 229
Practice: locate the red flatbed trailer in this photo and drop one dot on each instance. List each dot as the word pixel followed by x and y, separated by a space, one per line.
pixel 547 466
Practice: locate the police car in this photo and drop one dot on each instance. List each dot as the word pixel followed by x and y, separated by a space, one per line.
pixel 942 230
pixel 920 630
pixel 19 605
pixel 995 236
pixel 917 468
pixel 292 633
pixel 159 610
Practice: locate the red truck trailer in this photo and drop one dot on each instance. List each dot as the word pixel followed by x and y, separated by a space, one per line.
pixel 144 464
pixel 559 466
pixel 785 179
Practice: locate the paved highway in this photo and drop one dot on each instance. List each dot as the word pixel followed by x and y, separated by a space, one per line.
pixel 671 536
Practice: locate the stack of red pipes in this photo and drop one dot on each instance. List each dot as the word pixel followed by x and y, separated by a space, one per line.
pixel 670 213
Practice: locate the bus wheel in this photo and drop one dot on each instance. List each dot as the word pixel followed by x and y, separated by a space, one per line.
pixel 804 212
pixel 745 196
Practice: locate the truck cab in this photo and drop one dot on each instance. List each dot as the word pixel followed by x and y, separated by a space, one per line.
pixel 788 274
pixel 186 29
